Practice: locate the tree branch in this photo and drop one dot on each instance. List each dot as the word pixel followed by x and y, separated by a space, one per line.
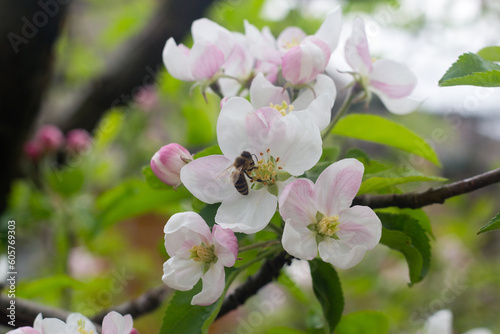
pixel 431 196
pixel 269 271
pixel 141 59
pixel 145 303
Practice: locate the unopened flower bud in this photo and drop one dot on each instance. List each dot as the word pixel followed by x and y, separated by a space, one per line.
pixel 168 162
pixel 78 141
pixel 32 150
pixel 49 138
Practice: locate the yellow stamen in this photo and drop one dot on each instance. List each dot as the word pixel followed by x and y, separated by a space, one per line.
pixel 203 253
pixel 328 225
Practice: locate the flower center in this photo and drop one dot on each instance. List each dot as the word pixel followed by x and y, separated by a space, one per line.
pixel 267 169
pixel 81 327
pixel 284 108
pixel 203 253
pixel 328 226
pixel 294 41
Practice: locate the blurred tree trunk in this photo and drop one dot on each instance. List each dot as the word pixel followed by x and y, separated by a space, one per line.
pixel 28 30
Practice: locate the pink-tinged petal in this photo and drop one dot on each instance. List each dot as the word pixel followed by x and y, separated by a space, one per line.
pixel 168 162
pixel 206 59
pixel 213 285
pixel 204 30
pixel 337 186
pixel 134 331
pixel 176 61
pixel 74 320
pixel 340 253
pixel 299 242
pixel 258 128
pixel 226 245
pixel 209 178
pixel 297 142
pixel 181 274
pixel 439 323
pixel 290 37
pixel 115 323
pixel 247 214
pixel 479 331
pixel 231 127
pixel 359 225
pixel 323 84
pixel 262 45
pixel 303 63
pixel 320 110
pixel 53 325
pixel 400 106
pixel 330 29
pixel 24 330
pixel 185 230
pixel 49 137
pixel 270 70
pixel 392 78
pixel 297 203
pixel 357 52
pixel 238 65
pixel 263 93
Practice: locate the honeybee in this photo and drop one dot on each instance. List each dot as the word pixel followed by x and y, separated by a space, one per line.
pixel 242 164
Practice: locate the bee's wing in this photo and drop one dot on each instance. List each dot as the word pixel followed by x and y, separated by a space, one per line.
pixel 227 173
pixel 235 175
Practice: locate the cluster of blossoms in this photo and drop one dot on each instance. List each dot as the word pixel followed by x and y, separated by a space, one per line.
pixel 49 139
pixel 76 323
pixel 268 142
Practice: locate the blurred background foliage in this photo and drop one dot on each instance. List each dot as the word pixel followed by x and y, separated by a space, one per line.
pixel 90 232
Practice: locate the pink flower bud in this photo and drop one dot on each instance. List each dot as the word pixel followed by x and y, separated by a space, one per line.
pixel 78 140
pixel 168 162
pixel 32 150
pixel 146 98
pixel 50 138
pixel 134 331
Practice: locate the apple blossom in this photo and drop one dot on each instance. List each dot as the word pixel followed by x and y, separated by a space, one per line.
pixel 115 323
pixel 280 147
pixel 168 162
pixel 50 138
pixel 392 81
pixel 318 217
pixel 317 102
pixel 78 141
pixel 441 323
pixel 196 253
pixel 212 45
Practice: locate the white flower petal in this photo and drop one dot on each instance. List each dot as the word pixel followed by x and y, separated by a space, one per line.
pixel 177 61
pixel 297 142
pixel 357 52
pixel 74 320
pixel 115 323
pixel 181 273
pixel 213 285
pixel 208 31
pixel 400 106
pixel 262 45
pixel 337 186
pixel 226 245
pixel 330 28
pixel 290 37
pixel 297 203
pixel 231 127
pixel 340 253
pixel 392 78
pixel 185 230
pixel 479 331
pixel 359 225
pixel 439 323
pixel 53 325
pixel 247 214
pixel 262 93
pixel 208 178
pixel 323 84
pixel 299 242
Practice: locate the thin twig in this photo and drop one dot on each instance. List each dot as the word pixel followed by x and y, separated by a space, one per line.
pixel 430 196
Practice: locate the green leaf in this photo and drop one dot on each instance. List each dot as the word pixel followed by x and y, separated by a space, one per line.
pixel 471 69
pixel 36 288
pixel 392 177
pixel 212 150
pixel 417 214
pixel 494 224
pixel 383 131
pixel 371 166
pixel 363 322
pixel 181 317
pixel 403 233
pixel 328 291
pixel 491 53
pixel 152 180
pixel 132 198
pixel 284 330
pixel 67 181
